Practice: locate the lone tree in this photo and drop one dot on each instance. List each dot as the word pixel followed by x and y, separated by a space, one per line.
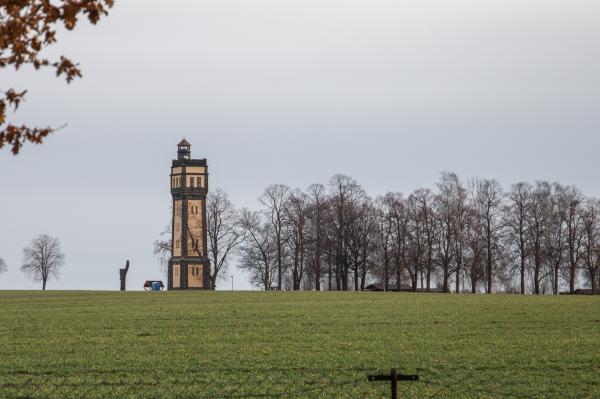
pixel 43 258
pixel 3 267
pixel 123 275
pixel 26 28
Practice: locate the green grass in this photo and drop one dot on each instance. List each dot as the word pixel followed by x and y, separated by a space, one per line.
pixel 223 344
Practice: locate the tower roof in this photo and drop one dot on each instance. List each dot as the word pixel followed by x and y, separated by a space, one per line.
pixel 184 143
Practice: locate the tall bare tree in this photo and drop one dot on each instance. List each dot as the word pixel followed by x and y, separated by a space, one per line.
pixel 591 241
pixel 385 235
pixel 539 221
pixel 274 198
pixel 400 221
pixel 43 259
pixel 259 249
pixel 556 239
pixel 476 243
pixel 296 211
pixel 489 201
pixel 426 219
pixel 417 241
pixel 570 200
pixel 449 211
pixel 3 267
pixel 346 197
pixel 317 214
pixel 517 212
pixel 224 232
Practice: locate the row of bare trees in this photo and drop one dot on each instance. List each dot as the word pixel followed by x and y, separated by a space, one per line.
pixel 463 236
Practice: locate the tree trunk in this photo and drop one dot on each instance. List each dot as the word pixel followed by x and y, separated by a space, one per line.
pixel 398 271
pixel 556 280
pixel 458 269
pixel 429 270
pixel 522 275
pixel 44 284
pixel 386 266
pixel 279 274
pixel 572 274
pixel 318 270
pixel 330 271
pixel 446 287
pixel 123 275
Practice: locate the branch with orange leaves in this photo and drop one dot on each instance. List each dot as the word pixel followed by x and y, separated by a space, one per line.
pixel 26 28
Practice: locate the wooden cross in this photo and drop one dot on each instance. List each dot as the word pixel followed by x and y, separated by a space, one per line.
pixel 394 377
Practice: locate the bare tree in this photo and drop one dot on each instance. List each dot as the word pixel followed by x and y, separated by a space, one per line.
pixel 3 267
pixel 417 241
pixel 399 215
pixel 591 241
pixel 296 221
pixel 161 248
pixel 489 201
pixel 425 214
pixel 43 259
pixel 384 228
pixel 274 198
pixel 555 240
pixel 318 206
pixel 516 213
pixel 475 241
pixel 449 214
pixel 346 197
pixel 259 250
pixel 224 232
pixel 539 221
pixel 570 200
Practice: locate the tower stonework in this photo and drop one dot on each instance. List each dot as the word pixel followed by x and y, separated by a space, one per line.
pixel 189 267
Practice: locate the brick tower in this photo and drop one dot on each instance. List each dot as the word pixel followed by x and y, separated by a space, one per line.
pixel 189 267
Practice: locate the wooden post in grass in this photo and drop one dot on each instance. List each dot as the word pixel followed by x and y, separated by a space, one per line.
pixel 123 275
pixel 394 377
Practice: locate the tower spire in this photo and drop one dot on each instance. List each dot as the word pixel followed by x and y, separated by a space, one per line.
pixel 183 150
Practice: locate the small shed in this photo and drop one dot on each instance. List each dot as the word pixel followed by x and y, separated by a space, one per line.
pixel 150 283
pixel 390 287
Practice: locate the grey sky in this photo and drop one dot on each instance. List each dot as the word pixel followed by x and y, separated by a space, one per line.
pixel 389 92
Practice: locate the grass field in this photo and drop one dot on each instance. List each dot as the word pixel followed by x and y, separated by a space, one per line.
pixel 257 344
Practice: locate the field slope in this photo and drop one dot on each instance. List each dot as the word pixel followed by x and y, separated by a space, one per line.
pixel 257 344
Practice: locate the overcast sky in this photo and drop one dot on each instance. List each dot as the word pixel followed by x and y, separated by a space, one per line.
pixel 389 92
